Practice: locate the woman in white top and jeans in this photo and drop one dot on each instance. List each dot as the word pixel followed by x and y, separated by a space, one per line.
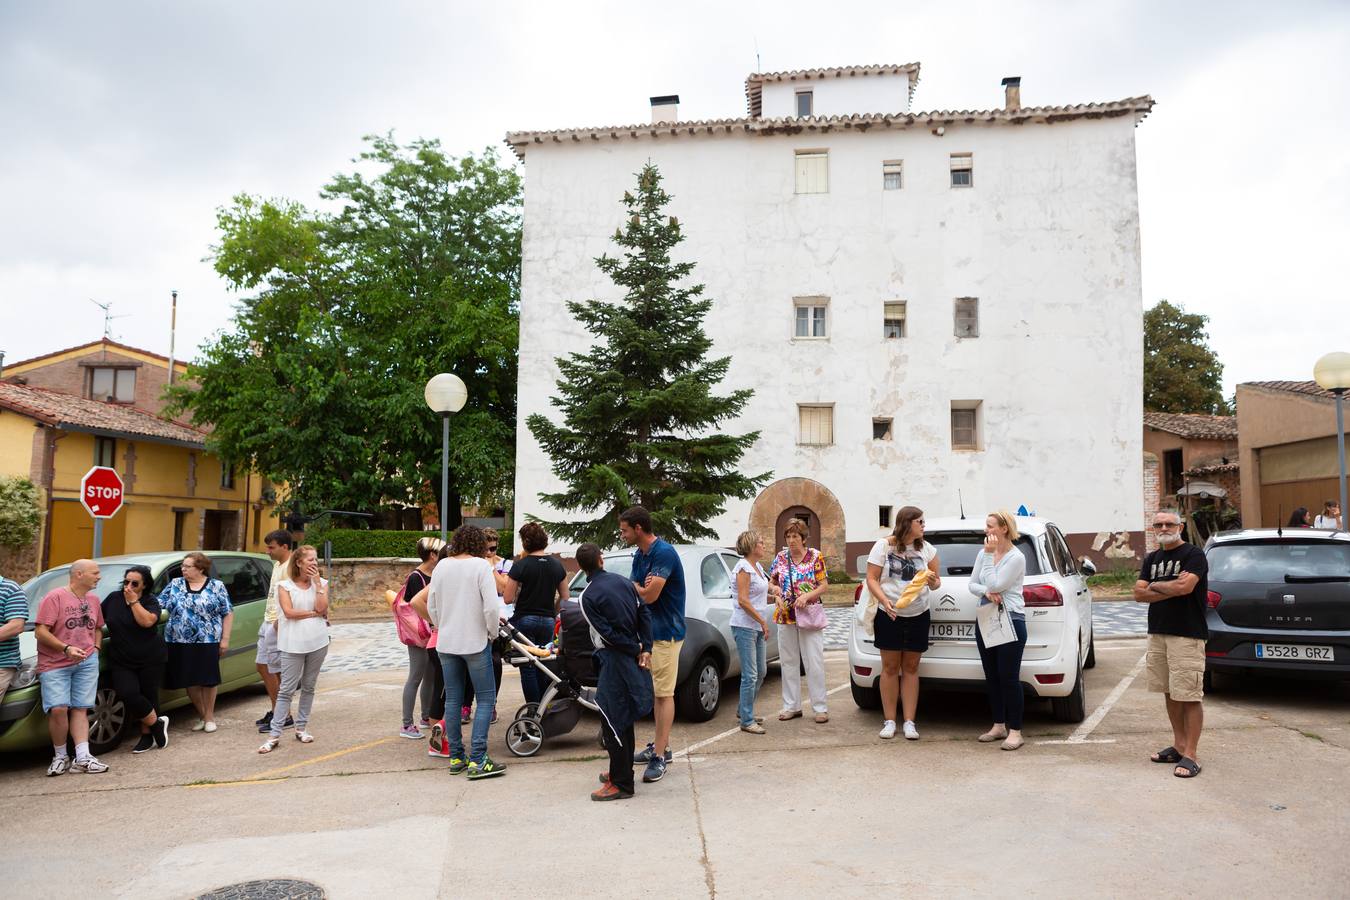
pixel 302 640
pixel 750 624
pixel 997 577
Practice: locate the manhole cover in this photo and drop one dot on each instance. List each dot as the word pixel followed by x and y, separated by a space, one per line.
pixel 267 889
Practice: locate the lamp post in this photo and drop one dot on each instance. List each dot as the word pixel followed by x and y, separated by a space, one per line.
pixel 445 394
pixel 1332 372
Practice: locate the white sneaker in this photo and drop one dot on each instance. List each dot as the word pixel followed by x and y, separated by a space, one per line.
pixel 911 733
pixel 199 725
pixel 887 730
pixel 89 766
pixel 209 727
pixel 60 766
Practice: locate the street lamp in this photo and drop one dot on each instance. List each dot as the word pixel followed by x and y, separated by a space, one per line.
pixel 445 394
pixel 1332 372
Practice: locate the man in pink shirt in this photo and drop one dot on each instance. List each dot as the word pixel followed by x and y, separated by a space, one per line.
pixel 69 629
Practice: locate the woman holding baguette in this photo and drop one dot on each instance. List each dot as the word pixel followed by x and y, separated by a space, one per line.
pixel 894 569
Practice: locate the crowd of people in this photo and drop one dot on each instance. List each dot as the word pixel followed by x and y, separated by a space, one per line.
pixel 453 603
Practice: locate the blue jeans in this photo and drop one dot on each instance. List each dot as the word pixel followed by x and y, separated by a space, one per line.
pixel 750 648
pixel 540 630
pixel 1002 669
pixel 72 687
pixel 459 671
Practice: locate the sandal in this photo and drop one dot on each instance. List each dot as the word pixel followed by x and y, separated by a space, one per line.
pixel 1167 755
pixel 269 745
pixel 304 737
pixel 789 714
pixel 1191 766
pixel 822 718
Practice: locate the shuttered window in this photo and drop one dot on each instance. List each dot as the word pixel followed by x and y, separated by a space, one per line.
pixel 967 323
pixel 892 174
pixel 813 172
pixel 815 425
pixel 966 425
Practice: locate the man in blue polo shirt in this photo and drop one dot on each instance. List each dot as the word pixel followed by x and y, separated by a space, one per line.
pixel 658 576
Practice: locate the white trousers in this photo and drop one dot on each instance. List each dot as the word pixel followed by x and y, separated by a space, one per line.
pixel 797 646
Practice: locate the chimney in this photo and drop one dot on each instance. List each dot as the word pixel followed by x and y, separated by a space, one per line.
pixel 1012 92
pixel 666 109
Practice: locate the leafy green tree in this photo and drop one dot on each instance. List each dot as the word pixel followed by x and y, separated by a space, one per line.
pixel 1181 373
pixel 20 512
pixel 639 415
pixel 412 267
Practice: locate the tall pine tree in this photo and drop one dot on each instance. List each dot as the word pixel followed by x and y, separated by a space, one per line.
pixel 639 415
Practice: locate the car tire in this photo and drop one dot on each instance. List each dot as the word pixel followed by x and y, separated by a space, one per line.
pixel 699 696
pixel 108 721
pixel 1072 708
pixel 1091 661
pixel 866 698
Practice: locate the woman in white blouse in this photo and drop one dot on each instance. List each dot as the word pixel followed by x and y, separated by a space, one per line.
pixel 750 624
pixel 302 639
pixel 997 578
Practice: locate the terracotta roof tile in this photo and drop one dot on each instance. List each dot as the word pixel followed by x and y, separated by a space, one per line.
pixel 754 83
pixel 1138 107
pixel 1194 426
pixel 1311 388
pixel 77 413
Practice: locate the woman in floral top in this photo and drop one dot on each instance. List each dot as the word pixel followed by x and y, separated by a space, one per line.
pixel 799 573
pixel 197 634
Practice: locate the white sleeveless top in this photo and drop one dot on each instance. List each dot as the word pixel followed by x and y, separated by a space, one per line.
pixel 301 635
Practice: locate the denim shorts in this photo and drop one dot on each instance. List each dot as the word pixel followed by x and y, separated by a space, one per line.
pixel 71 686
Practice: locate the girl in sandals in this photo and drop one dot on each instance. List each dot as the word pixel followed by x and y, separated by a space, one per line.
pixel 302 639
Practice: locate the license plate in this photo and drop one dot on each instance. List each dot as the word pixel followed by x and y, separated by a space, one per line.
pixel 951 631
pixel 1300 652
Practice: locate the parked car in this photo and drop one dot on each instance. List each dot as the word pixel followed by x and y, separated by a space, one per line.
pixel 708 656
pixel 245 575
pixel 1279 603
pixel 1059 619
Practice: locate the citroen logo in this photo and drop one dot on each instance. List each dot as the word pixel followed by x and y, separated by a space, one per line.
pixel 947 602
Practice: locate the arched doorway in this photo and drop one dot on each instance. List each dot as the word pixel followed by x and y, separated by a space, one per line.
pixel 808 500
pixel 797 512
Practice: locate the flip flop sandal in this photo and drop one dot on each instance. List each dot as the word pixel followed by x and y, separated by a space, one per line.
pixel 269 745
pixel 1167 755
pixel 304 737
pixel 1191 766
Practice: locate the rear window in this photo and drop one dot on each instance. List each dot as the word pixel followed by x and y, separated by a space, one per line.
pixel 1270 561
pixel 957 551
pixel 619 565
pixel 110 580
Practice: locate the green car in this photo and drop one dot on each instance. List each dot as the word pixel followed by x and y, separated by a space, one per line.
pixel 23 726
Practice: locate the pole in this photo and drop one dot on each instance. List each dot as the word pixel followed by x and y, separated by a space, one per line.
pixel 173 330
pixel 444 472
pixel 98 538
pixel 1340 454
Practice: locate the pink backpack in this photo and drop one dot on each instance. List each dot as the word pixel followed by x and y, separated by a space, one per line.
pixel 412 628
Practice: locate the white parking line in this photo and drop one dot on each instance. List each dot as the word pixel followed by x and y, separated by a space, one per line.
pixel 699 745
pixel 381 687
pixel 1080 734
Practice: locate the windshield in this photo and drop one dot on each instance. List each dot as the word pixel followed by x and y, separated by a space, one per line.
pixel 39 587
pixel 1269 562
pixel 619 565
pixel 957 551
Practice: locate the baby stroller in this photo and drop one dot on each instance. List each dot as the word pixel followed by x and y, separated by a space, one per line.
pixel 567 667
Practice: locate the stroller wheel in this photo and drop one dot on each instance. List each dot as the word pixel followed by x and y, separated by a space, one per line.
pixel 528 711
pixel 524 737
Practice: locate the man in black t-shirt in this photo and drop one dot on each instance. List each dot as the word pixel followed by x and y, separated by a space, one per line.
pixel 1174 581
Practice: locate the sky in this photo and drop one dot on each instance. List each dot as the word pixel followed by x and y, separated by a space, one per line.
pixel 126 126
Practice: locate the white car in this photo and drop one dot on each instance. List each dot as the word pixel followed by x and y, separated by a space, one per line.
pixel 1059 618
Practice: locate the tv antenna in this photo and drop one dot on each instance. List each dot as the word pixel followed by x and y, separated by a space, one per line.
pixel 107 316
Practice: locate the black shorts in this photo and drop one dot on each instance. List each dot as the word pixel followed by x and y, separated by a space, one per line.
pixel 903 633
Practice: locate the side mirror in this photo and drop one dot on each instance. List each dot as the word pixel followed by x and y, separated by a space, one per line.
pixel 1086 567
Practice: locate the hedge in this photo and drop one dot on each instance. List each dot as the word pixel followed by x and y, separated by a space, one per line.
pixel 353 543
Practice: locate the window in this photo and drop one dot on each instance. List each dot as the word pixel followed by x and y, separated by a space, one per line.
pixel 881 429
pixel 892 175
pixel 180 518
pixel 966 425
pixel 963 170
pixel 809 317
pixel 815 424
pixel 226 476
pixel 893 323
pixel 1059 552
pixel 716 582
pixel 805 104
pixel 813 172
pixel 112 384
pixel 967 317
pixel 884 516
pixel 1173 466
pixel 105 452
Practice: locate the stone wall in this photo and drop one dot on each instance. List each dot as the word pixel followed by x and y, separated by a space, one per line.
pixel 19 564
pixel 362 582
pixel 1152 498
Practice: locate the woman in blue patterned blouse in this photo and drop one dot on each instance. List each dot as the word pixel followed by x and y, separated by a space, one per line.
pixel 197 634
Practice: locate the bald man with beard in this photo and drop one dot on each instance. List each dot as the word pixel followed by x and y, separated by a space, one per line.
pixel 69 629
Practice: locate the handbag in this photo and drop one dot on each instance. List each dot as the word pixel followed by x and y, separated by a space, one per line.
pixel 812 616
pixel 412 628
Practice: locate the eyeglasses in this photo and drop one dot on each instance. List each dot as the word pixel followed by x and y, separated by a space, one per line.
pixel 126 583
pixel 492 547
pixel 1163 526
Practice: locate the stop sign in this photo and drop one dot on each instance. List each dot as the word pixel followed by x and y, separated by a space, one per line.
pixel 101 492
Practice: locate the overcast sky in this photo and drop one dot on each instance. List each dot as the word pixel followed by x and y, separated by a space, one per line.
pixel 125 125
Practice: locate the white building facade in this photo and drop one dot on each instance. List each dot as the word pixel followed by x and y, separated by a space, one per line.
pixel 927 305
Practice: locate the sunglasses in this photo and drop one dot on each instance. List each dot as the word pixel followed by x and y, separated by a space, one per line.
pixel 1163 526
pixel 492 546
pixel 129 583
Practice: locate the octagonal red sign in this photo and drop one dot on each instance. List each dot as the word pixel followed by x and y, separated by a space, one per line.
pixel 101 492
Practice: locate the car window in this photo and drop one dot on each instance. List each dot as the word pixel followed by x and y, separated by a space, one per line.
pixel 1059 552
pixel 1270 562
pixel 241 578
pixel 716 582
pixel 957 551
pixel 110 579
pixel 619 565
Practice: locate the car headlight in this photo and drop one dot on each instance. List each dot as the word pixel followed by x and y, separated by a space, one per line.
pixel 26 675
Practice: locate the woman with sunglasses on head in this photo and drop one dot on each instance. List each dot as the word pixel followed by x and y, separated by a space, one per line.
pixel 135 655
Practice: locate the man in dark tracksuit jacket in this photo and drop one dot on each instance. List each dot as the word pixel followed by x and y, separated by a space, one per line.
pixel 624 626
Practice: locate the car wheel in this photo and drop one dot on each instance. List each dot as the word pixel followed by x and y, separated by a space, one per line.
pixel 701 693
pixel 1072 708
pixel 107 721
pixel 866 698
pixel 1091 662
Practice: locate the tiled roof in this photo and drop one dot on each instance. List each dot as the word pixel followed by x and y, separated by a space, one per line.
pixel 754 83
pixel 1311 388
pixel 1195 426
pixel 1133 106
pixel 1216 469
pixel 94 416
pixel 104 344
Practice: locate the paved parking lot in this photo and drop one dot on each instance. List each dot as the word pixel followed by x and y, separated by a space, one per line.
pixel 806 808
